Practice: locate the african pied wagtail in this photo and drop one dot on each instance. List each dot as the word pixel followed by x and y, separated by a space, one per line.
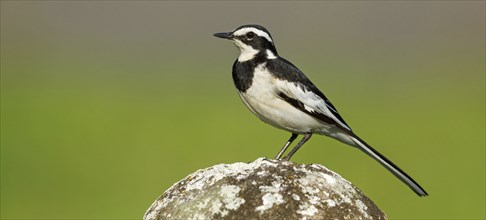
pixel 281 95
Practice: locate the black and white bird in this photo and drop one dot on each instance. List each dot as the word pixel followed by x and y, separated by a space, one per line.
pixel 278 93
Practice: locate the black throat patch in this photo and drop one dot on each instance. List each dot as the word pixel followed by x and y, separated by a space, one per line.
pixel 243 72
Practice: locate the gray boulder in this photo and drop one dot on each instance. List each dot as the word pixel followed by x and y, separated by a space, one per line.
pixel 263 189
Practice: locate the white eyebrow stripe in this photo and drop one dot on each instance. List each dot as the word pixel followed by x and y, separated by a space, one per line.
pixel 258 32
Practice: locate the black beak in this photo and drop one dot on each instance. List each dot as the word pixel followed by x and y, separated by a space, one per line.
pixel 224 35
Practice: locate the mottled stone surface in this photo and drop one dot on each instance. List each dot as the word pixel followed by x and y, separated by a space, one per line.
pixel 263 189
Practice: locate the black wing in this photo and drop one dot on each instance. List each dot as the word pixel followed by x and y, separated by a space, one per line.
pixel 286 71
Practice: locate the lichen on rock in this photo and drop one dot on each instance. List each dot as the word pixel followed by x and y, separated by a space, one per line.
pixel 263 189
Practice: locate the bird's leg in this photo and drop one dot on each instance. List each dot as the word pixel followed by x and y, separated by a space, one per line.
pixel 284 148
pixel 307 136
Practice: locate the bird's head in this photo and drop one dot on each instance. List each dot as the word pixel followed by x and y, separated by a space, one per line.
pixel 251 40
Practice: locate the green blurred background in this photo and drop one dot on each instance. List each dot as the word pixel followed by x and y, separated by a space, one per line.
pixel 106 104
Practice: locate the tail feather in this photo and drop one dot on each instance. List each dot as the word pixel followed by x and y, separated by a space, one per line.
pixel 400 174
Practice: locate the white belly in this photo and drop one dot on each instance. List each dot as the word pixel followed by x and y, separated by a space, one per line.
pixel 262 99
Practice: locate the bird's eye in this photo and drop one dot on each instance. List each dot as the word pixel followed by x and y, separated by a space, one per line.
pixel 250 35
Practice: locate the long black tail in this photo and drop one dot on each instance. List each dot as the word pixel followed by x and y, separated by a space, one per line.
pixel 400 174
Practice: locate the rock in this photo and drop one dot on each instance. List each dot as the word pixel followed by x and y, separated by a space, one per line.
pixel 264 189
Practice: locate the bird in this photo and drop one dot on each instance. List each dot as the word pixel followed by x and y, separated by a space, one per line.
pixel 280 94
